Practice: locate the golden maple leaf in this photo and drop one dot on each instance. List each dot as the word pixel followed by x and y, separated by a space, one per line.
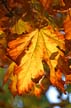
pixel 29 51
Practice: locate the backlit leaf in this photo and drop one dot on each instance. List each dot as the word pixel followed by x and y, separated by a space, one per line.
pixel 29 52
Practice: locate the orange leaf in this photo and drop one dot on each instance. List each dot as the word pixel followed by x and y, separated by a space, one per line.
pixel 57 80
pixel 67 27
pixel 37 91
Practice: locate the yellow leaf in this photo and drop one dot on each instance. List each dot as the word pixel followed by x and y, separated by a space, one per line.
pixel 29 52
pixel 21 27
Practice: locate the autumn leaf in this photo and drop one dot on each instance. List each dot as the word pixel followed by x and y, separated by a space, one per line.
pixel 3 43
pixel 67 27
pixel 29 52
pixel 9 71
pixel 13 78
pixel 21 27
pixel 37 91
